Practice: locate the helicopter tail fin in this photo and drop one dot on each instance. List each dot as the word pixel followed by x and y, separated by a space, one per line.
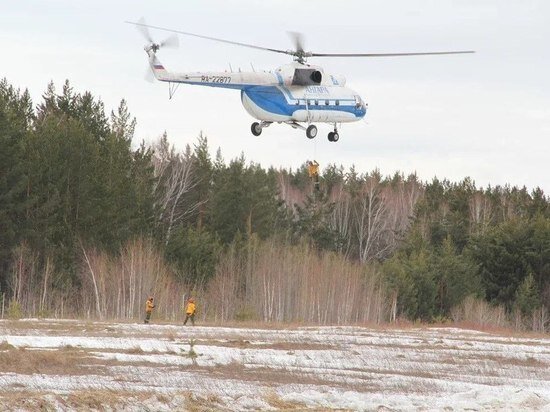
pixel 157 68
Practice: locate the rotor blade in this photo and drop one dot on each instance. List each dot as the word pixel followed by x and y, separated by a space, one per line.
pixel 142 27
pixel 298 40
pixel 141 24
pixel 388 54
pixel 171 42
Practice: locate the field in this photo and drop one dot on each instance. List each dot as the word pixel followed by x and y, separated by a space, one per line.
pixel 67 364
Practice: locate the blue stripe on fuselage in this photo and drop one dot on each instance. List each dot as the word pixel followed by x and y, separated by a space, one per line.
pixel 272 100
pixel 221 85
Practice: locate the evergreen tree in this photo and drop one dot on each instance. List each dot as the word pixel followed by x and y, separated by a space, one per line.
pixel 16 116
pixel 456 277
pixel 508 253
pixel 527 296
pixel 313 222
pixel 194 253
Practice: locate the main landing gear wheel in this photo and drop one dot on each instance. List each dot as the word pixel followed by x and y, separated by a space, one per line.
pixel 311 131
pixel 333 137
pixel 256 129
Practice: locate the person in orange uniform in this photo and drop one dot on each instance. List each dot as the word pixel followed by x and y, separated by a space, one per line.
pixel 149 305
pixel 190 311
pixel 313 170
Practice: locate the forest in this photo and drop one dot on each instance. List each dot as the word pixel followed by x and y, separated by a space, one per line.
pixel 92 223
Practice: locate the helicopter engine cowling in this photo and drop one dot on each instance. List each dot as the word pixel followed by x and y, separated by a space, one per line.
pixel 307 77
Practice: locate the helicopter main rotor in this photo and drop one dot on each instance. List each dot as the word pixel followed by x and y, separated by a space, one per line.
pixel 299 53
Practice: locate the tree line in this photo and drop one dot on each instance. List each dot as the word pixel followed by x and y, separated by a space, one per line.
pixel 90 224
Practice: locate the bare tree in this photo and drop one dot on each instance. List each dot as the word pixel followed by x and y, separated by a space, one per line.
pixel 341 219
pixel 370 218
pixel 481 212
pixel 175 178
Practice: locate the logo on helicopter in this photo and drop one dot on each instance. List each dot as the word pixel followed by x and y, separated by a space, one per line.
pixel 317 89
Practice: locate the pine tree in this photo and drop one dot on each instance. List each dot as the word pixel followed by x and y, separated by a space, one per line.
pixel 15 119
pixel 527 296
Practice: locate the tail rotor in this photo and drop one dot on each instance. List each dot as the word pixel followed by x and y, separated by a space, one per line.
pixel 171 42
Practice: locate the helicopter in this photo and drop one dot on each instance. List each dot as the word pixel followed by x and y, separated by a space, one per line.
pixel 297 94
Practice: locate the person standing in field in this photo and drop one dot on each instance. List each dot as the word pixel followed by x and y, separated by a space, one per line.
pixel 190 311
pixel 149 305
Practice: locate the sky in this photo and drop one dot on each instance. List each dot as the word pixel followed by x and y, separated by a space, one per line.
pixel 485 115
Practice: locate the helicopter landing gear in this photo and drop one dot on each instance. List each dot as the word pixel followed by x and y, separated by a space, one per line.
pixel 311 131
pixel 256 128
pixel 333 136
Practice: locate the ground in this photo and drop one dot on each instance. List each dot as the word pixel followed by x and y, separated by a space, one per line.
pixel 53 364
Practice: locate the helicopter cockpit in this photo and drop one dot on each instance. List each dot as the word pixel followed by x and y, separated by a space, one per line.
pixel 359 103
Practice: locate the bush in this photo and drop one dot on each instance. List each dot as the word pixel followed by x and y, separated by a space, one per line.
pixel 14 310
pixel 245 314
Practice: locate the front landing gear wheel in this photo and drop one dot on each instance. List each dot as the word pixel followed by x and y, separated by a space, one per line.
pixel 311 131
pixel 331 137
pixel 335 136
pixel 256 129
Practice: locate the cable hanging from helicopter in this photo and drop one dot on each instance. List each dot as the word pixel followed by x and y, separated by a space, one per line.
pixel 297 94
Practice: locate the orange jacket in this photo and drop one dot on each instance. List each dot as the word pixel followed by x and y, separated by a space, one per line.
pixel 149 306
pixel 313 169
pixel 190 308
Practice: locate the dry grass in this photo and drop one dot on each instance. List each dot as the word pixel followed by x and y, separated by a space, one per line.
pixel 24 400
pixel 207 403
pixel 281 345
pixel 136 350
pixel 82 400
pixel 105 328
pixel 271 376
pixel 66 360
pixel 62 362
pixel 4 346
pixel 529 361
pixel 102 399
pixel 498 330
pixel 275 401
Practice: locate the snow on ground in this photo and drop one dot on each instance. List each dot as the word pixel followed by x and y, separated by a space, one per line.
pixel 94 365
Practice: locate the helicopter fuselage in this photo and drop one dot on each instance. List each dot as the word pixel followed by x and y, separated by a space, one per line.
pixel 292 93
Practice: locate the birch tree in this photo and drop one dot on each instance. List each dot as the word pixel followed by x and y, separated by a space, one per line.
pixel 175 179
pixel 370 213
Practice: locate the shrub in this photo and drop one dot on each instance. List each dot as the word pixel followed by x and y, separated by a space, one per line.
pixel 14 310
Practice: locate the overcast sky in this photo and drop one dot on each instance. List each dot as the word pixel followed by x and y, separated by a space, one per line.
pixel 485 115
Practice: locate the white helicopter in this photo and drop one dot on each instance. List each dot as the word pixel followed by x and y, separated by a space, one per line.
pixel 297 93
